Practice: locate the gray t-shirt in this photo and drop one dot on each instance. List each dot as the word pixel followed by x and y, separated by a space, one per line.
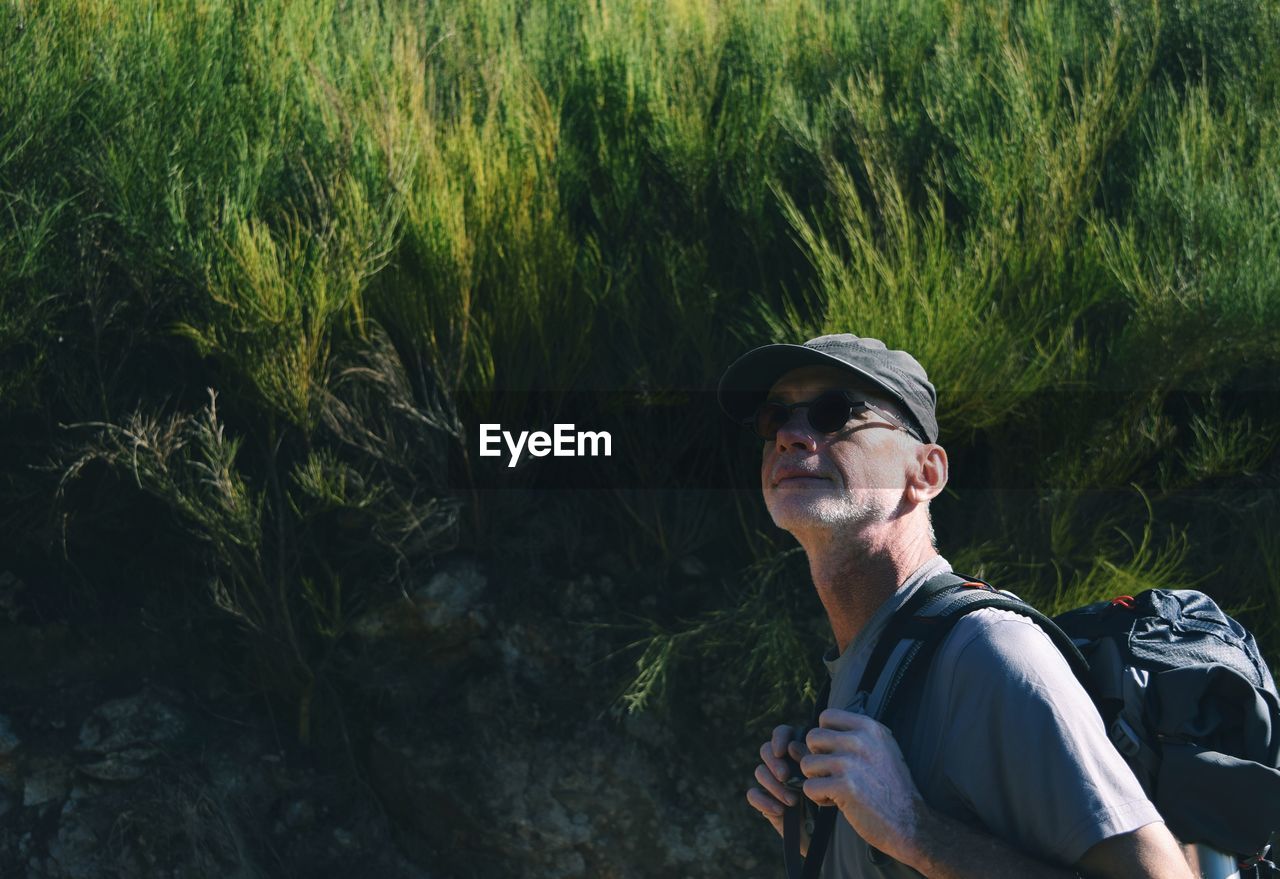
pixel 1005 740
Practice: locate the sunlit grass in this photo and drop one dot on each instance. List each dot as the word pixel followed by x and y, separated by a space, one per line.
pixel 363 224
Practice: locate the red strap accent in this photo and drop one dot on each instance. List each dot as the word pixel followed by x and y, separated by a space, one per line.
pixel 1125 601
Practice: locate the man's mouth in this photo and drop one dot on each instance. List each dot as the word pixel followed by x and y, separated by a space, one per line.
pixel 796 476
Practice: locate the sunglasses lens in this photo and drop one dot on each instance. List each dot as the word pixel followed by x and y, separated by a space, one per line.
pixel 830 412
pixel 827 414
pixel 769 420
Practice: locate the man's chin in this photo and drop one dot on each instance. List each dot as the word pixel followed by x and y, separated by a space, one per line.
pixel 796 511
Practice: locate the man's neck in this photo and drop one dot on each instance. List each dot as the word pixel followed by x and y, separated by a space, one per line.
pixel 855 574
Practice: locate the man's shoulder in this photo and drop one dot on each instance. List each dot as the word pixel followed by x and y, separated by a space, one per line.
pixel 995 667
pixel 994 643
pixel 1002 720
pixel 996 626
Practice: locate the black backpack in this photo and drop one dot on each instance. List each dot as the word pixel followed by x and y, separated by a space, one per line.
pixel 1182 689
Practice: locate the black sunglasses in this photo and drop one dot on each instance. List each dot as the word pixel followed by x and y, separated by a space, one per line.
pixel 827 413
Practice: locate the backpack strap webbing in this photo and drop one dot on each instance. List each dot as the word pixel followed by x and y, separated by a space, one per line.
pixel 896 630
pixel 822 819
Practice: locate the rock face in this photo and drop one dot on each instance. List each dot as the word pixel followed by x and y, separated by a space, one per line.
pixel 137 723
pixel 451 598
pixel 521 771
pixel 9 740
pixel 143 784
pixel 447 611
pixel 589 805
pixel 479 745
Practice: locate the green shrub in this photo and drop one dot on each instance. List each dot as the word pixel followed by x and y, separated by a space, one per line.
pixel 369 225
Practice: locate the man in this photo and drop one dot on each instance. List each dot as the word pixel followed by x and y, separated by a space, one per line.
pixel 1007 770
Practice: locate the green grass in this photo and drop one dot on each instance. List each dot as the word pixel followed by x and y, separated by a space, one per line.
pixel 367 225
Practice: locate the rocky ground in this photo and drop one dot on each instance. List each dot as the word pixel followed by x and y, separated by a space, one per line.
pixel 482 746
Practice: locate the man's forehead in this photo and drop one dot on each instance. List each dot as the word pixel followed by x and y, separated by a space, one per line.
pixel 806 381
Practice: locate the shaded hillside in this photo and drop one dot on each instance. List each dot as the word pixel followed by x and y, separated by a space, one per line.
pixel 265 269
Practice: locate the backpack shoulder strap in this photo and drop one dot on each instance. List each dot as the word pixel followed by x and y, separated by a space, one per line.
pixel 889 645
pixel 915 633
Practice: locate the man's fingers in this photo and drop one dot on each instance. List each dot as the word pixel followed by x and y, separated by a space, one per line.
pixel 781 736
pixel 774 787
pixel 847 721
pixel 765 804
pixel 780 768
pixel 820 790
pixel 819 766
pixel 797 750
pixel 829 741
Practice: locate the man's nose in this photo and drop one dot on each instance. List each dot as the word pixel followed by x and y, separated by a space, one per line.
pixel 797 432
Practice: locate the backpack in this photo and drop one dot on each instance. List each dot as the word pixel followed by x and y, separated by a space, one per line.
pixel 1181 687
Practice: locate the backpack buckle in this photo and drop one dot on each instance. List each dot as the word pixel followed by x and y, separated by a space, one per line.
pixel 1260 864
pixel 1124 738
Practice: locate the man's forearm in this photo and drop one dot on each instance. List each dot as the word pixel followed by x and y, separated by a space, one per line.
pixel 949 849
pixel 944 848
pixel 854 763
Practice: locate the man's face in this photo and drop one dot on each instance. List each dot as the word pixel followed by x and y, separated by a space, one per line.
pixel 854 476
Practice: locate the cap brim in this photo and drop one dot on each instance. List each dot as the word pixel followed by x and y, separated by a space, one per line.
pixel 746 382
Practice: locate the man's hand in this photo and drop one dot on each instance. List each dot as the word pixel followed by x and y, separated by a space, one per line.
pixel 770 798
pixel 856 765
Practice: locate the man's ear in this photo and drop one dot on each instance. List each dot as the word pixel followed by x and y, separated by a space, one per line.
pixel 929 476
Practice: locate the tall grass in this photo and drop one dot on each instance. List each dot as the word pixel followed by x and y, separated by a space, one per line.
pixel 367 226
